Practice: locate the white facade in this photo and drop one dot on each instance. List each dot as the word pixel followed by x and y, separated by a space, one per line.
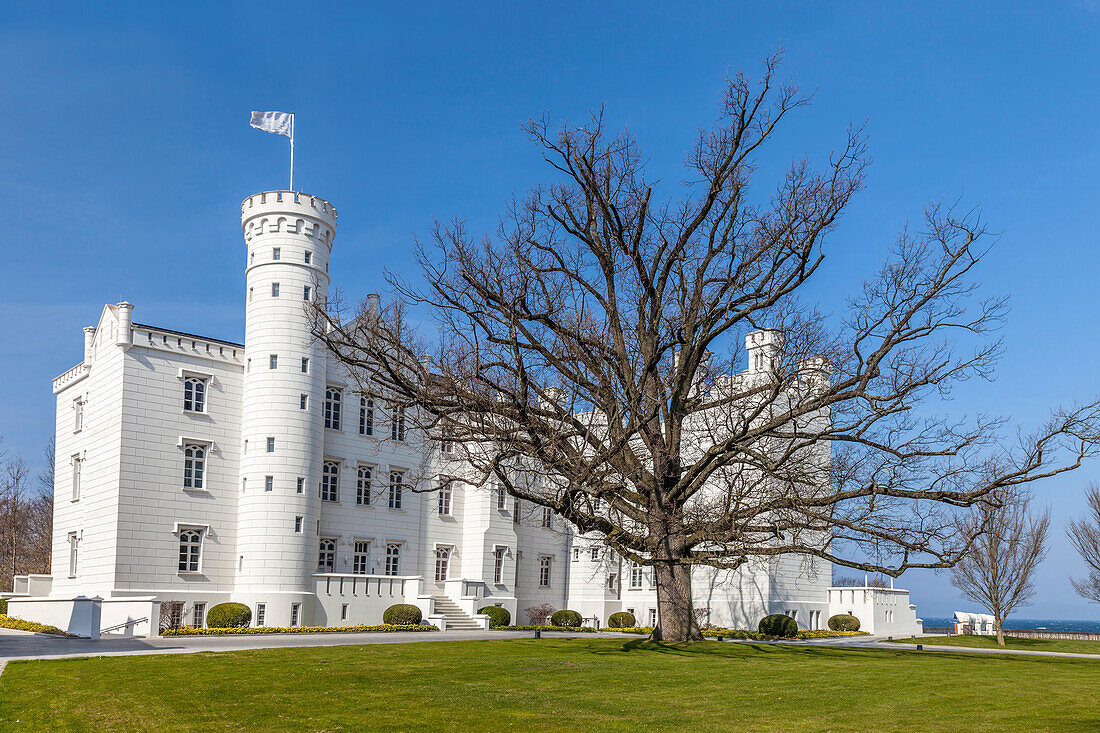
pixel 205 471
pixel 881 611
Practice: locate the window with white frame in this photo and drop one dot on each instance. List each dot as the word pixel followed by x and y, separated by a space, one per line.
pixel 306 292
pixel 303 402
pixel 333 398
pixel 269 483
pixel 498 564
pixel 194 394
pixel 515 511
pixel 637 574
pixel 274 290
pixel 445 497
pixel 271 445
pixel 397 481
pixel 194 465
pixel 326 557
pixel 295 613
pixel 343 612
pixel 301 486
pixel 198 614
pixel 653 617
pixel 576 554
pixel 363 485
pixel 305 365
pixel 397 424
pixel 78 414
pixel 308 257
pixel 74 540
pixel 442 562
pixel 76 461
pixel 190 550
pixel 366 416
pixel 595 554
pixel 276 253
pixel 361 559
pixel 261 613
pixel 544 571
pixel 330 480
pixel 393 558
pixel 502 498
pixel 547 518
pixel 298 525
pixel 273 361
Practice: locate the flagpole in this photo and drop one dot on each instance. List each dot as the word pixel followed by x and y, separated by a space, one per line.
pixel 292 151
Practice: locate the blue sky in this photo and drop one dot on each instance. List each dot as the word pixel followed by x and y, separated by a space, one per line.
pixel 125 151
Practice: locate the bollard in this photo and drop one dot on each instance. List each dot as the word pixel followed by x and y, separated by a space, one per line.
pixel 719 638
pixel 538 634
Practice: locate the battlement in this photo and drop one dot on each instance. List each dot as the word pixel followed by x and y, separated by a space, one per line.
pixel 281 211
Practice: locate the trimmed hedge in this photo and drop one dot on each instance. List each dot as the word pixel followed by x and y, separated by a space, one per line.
pixel 229 615
pixel 779 625
pixel 630 629
pixel 3 606
pixel 568 618
pixel 8 622
pixel 191 631
pixel 545 628
pixel 843 622
pixel 402 614
pixel 498 616
pixel 622 620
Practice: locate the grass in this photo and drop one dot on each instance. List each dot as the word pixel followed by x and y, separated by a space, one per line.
pixel 1011 642
pixel 554 685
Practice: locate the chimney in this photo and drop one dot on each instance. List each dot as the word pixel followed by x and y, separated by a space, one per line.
pixel 125 320
pixel 372 304
pixel 89 343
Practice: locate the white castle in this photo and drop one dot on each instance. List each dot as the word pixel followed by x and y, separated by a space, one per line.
pixel 198 470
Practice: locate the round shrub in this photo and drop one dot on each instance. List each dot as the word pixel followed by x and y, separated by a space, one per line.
pixel 402 613
pixel 498 616
pixel 778 625
pixel 622 620
pixel 566 618
pixel 843 622
pixel 229 616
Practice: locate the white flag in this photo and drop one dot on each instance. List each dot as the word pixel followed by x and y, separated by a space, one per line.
pixel 280 123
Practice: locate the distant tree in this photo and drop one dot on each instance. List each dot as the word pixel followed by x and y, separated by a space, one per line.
pixel 14 492
pixel 1007 543
pixel 847 582
pixel 1085 536
pixel 540 614
pixel 589 358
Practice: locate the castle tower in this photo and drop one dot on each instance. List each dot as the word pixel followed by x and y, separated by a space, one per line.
pixel 289 238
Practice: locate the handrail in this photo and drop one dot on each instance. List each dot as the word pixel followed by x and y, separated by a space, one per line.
pixel 124 624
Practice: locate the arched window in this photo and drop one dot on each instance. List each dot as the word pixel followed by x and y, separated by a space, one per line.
pixel 397 425
pixel 194 465
pixel 332 408
pixel 362 486
pixel 366 416
pixel 393 558
pixel 330 479
pixel 326 558
pixel 194 394
pixel 442 560
pixel 190 548
pixel 397 480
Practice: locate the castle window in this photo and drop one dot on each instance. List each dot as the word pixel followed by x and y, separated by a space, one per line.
pixel 397 426
pixel 333 397
pixel 393 558
pixel 442 562
pixel 269 483
pixel 344 612
pixel 595 553
pixel 498 564
pixel 190 550
pixel 636 575
pixel 326 558
pixel 73 542
pixel 445 497
pixel 502 498
pixel 78 414
pixel 295 613
pixel 194 394
pixel 362 486
pixel 276 253
pixel 547 518
pixel 515 511
pixel 274 290
pixel 305 365
pixel 303 402
pixel 366 416
pixel 198 614
pixel 194 465
pixel 270 445
pixel 361 559
pixel 301 485
pixel 309 256
pixel 273 361
pixel 544 571
pixel 330 478
pixel 397 478
pixel 261 612
pixel 576 554
pixel 76 460
pixel 305 292
pixel 297 525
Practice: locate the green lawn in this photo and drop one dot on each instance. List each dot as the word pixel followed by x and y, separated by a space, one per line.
pixel 554 684
pixel 1011 642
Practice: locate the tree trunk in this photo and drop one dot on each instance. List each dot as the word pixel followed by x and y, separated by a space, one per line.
pixel 999 623
pixel 675 615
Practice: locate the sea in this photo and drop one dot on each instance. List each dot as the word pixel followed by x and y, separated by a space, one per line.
pixel 1037 624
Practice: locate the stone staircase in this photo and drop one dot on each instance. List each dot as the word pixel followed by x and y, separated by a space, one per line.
pixel 456 618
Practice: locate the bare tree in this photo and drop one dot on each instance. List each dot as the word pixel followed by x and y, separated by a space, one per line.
pixel 589 352
pixel 1008 545
pixel 1085 536
pixel 13 499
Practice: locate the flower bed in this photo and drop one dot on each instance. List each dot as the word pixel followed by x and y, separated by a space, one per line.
pixel 544 628
pixel 8 622
pixel 382 628
pixel 742 634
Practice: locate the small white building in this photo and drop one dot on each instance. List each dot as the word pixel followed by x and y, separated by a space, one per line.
pixel 881 611
pixel 202 470
pixel 981 624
